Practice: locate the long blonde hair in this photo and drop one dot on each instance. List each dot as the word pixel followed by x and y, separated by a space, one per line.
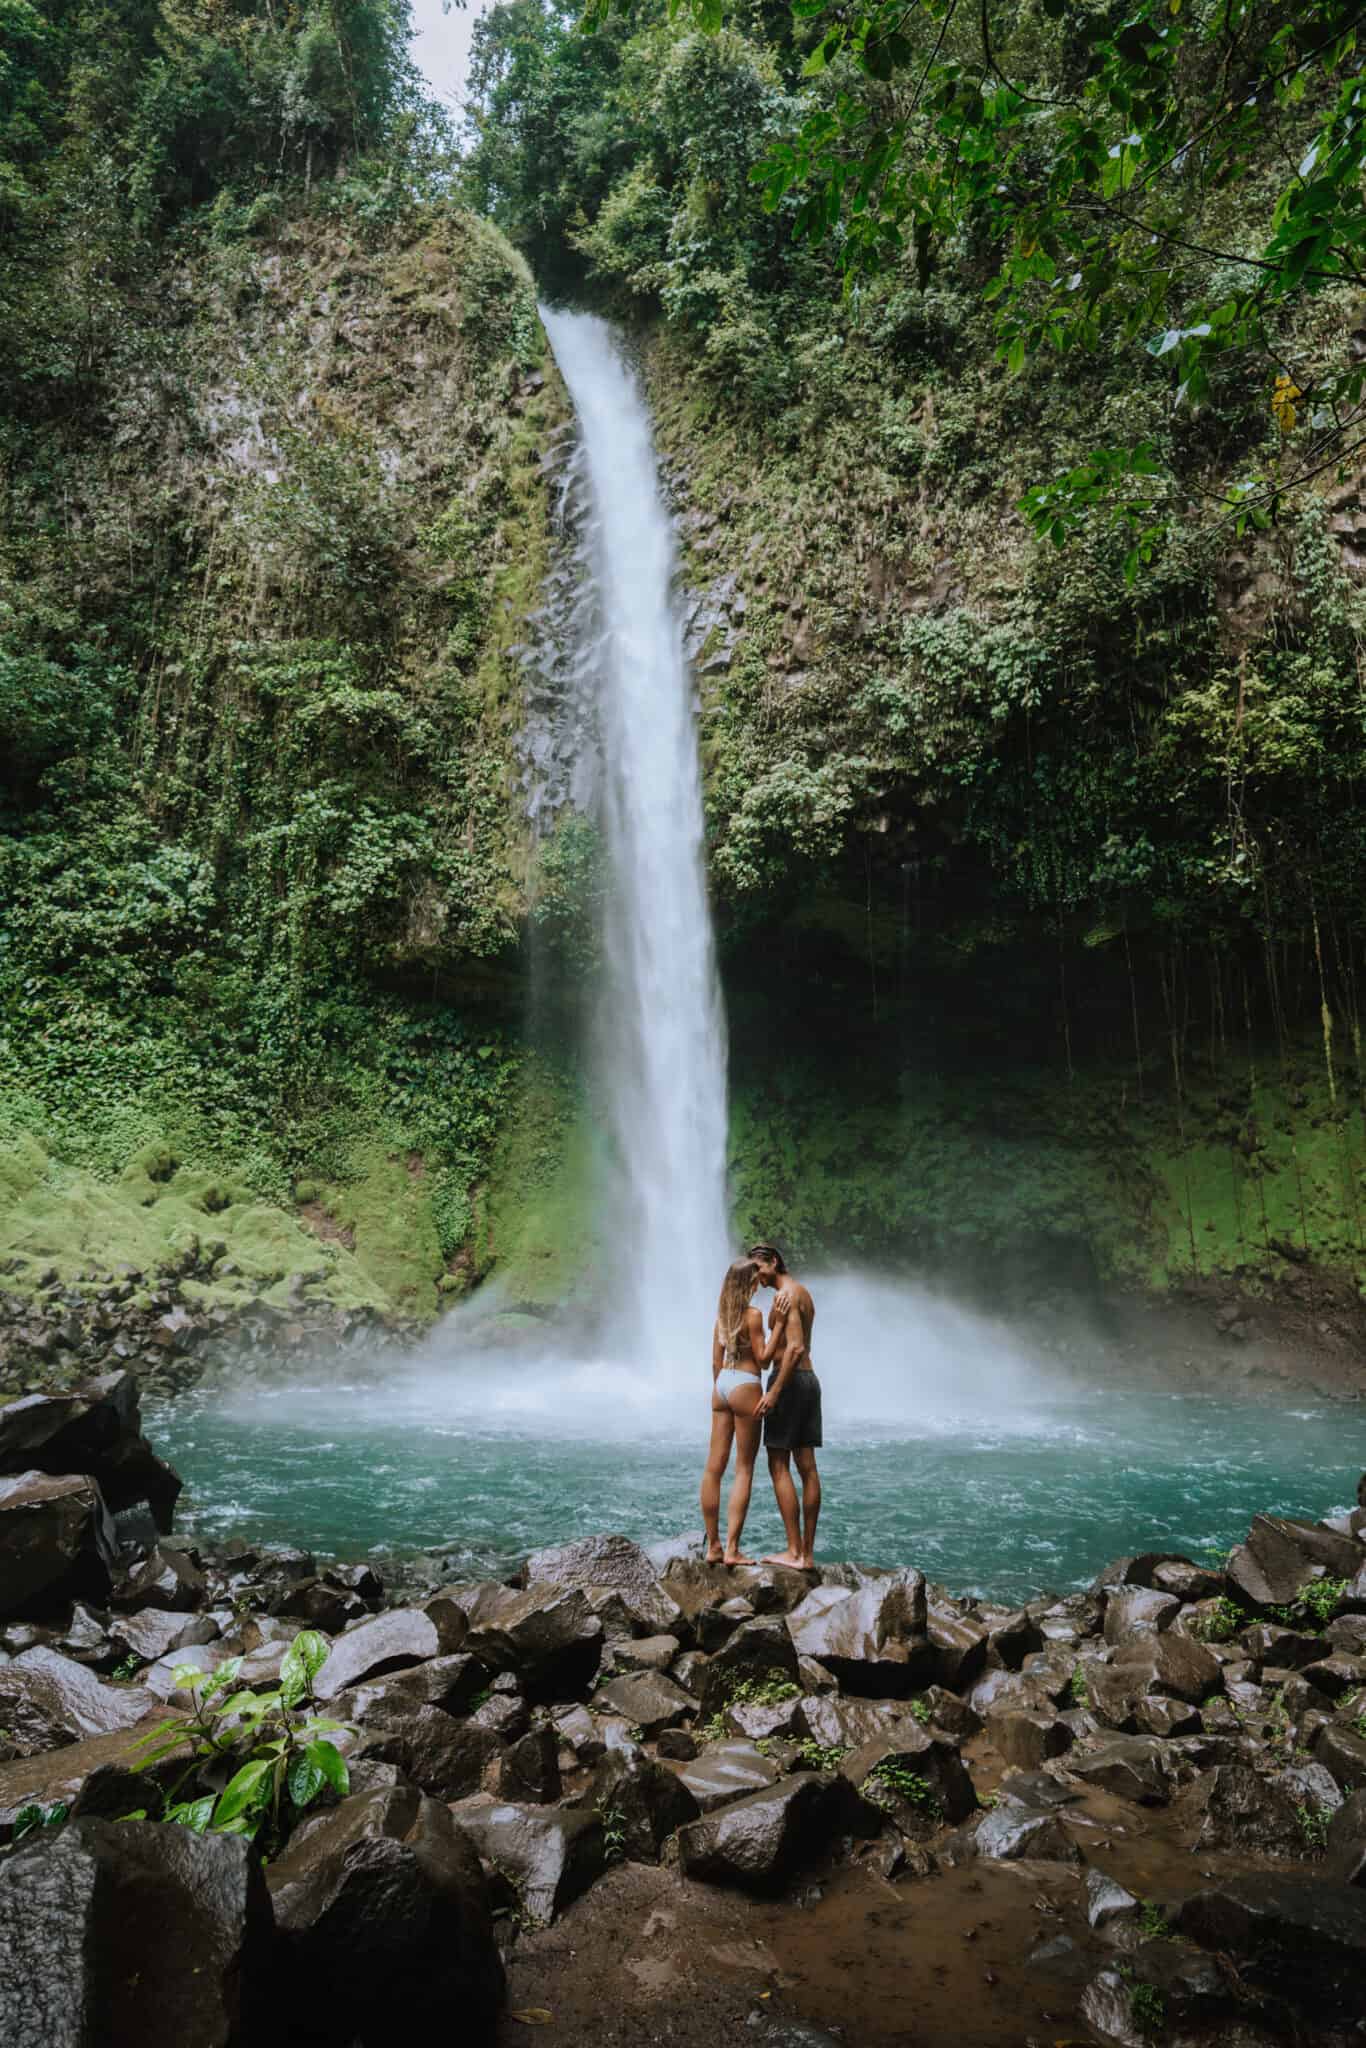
pixel 736 1290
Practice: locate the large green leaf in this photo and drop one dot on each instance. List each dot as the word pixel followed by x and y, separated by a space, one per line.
pixel 330 1761
pixel 302 1662
pixel 249 1788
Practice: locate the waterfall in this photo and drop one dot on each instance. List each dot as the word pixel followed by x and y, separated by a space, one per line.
pixel 660 1031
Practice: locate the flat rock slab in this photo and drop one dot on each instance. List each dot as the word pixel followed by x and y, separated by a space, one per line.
pixel 761 1843
pixel 837 1723
pixel 54 1777
pixel 727 1771
pixel 47 1700
pixel 551 1854
pixel 1141 1768
pixel 155 1633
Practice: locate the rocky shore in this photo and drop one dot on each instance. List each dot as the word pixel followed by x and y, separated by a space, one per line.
pixel 629 1795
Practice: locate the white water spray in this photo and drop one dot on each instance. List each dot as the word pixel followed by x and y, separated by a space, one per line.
pixel 662 1037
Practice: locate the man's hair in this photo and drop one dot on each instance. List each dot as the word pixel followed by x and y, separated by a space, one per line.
pixel 768 1251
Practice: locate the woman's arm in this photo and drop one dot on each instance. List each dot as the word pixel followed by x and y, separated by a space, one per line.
pixel 766 1349
pixel 717 1352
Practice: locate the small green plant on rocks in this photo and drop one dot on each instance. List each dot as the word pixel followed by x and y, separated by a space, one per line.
pixel 30 1818
pixel 1079 1689
pixel 769 1691
pixel 1147 2008
pixel 714 1730
pixel 127 1667
pixel 922 1711
pixel 273 1745
pixel 1152 1921
pixel 890 1783
pixel 613 1831
pixel 1221 1623
pixel 1314 1608
pixel 1314 1822
pixel 816 1756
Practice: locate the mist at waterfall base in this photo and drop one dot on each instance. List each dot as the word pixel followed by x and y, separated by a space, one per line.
pixel 947 1446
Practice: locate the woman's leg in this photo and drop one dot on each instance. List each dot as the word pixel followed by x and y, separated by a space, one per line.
pixel 718 1457
pixel 748 1430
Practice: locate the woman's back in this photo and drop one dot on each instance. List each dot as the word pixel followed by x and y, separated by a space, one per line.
pixel 738 1347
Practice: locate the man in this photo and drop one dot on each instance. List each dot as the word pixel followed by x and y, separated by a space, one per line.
pixel 791 1408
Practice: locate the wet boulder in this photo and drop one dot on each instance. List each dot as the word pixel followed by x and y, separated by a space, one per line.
pixel 1302 1939
pixel 444 1757
pixel 725 1771
pixel 872 1640
pixel 550 1854
pixel 1139 1569
pixel 1287 1649
pixel 547 1635
pixel 1111 1912
pixel 1345 1856
pixel 384 1928
pixel 758 1652
pixel 1168 1663
pixel 1137 1610
pixel 1027 1740
pixel 1336 1675
pixel 56 1542
pixel 602 1565
pixel 715 1626
pixel 913 1768
pixel 760 1843
pixel 646 1699
pixel 644 1801
pixel 958 1642
pixel 644 1653
pixel 1283 1554
pixel 1338 1747
pixel 1233 1807
pixel 96 1429
pixel 1192 1992
pixel 131 1932
pixel 156 1632
pixel 837 1723
pixel 168 1579
pixel 1136 1767
pixel 1186 1581
pixel 529 1770
pixel 1013 1831
pixel 47 1700
pixel 762 1724
pixel 452 1683
pixel 1011 1635
pixel 393 1641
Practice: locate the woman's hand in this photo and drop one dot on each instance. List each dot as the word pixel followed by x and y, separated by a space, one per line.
pixel 782 1301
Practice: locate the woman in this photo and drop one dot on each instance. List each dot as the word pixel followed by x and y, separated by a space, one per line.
pixel 739 1353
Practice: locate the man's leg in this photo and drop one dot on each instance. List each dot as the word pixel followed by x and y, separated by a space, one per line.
pixel 748 1429
pixel 811 1503
pixel 718 1457
pixel 780 1472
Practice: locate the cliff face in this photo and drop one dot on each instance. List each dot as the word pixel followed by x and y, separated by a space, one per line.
pixel 263 857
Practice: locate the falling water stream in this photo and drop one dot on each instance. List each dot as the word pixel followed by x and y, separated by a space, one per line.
pixel 949 1443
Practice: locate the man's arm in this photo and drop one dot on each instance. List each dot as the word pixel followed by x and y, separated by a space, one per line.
pixel 794 1345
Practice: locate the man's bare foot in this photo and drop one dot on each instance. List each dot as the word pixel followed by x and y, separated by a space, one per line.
pixel 736 1557
pixel 808 1564
pixel 787 1557
pixel 715 1555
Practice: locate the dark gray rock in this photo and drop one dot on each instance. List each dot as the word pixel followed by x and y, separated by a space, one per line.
pixel 384 1927
pixel 1283 1554
pixel 132 1933
pixel 1136 1767
pixel 1337 1675
pixel 529 1770
pixel 755 1652
pixel 56 1542
pixel 725 1771
pixel 451 1683
pixel 1010 1832
pixel 644 1653
pixel 96 1429
pixel 610 1564
pixel 1303 1939
pixel 1138 1610
pixel 760 1843
pixel 47 1700
pixel 959 1645
pixel 155 1632
pixel 1345 1857
pixel 921 1753
pixel 1027 1740
pixel 717 1624
pixel 1157 1715
pixel 444 1757
pixel 505 1715
pixel 167 1579
pixel 1265 1642
pixel 550 1854
pixel 677 1745
pixel 761 1724
pixel 837 1723
pixel 1232 1807
pixel 1111 1911
pixel 1168 1663
pixel 647 1801
pixel 872 1640
pixel 394 1641
pixel 1337 1747
pixel 646 1699
pixel 547 1635
pixel 1186 1581
pixel 1011 1637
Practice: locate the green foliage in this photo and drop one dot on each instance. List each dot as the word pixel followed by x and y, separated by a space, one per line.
pixel 769 1691
pixel 1147 2008
pixel 920 1710
pixel 890 1784
pixel 271 1747
pixel 1152 1921
pixel 1314 1822
pixel 30 1818
pixel 1078 1688
pixel 613 1830
pixel 816 1756
pixel 1315 1607
pixel 1222 1622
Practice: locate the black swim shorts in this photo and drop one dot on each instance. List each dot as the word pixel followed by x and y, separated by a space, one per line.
pixel 795 1424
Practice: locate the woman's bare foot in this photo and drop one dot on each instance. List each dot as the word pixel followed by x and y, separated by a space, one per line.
pixel 787 1557
pixel 736 1557
pixel 715 1554
pixel 808 1564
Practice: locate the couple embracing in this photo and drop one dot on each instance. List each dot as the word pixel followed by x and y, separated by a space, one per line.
pixel 786 1414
